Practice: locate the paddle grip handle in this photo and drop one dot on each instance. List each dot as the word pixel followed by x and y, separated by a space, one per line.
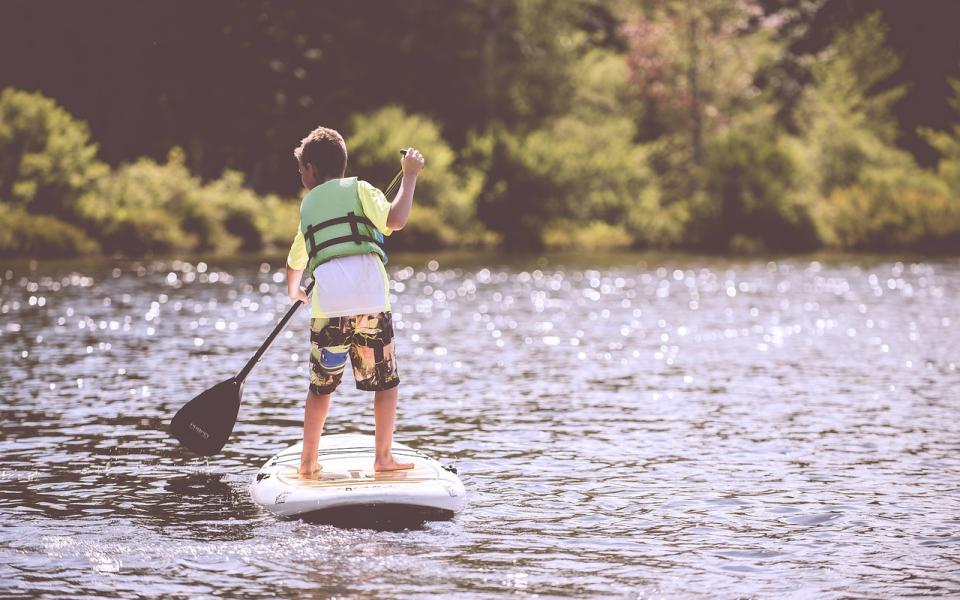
pixel 276 331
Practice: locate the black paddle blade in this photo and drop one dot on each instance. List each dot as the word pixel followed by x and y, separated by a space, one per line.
pixel 204 424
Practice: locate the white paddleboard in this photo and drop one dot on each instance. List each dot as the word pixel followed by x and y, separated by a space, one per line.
pixel 348 485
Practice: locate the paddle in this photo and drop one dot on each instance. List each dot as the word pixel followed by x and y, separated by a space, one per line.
pixel 205 423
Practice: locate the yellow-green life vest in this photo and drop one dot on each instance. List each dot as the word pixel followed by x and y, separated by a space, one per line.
pixel 333 223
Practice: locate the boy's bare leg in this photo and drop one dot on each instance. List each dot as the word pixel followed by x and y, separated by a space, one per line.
pixel 314 415
pixel 384 416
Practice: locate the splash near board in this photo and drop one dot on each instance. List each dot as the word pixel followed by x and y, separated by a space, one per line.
pixel 347 486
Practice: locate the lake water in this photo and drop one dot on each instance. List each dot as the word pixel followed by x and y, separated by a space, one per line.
pixel 626 426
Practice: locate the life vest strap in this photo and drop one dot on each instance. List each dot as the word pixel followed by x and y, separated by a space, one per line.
pixel 343 239
pixel 355 235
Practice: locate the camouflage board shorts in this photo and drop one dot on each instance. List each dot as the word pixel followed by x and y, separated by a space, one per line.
pixel 367 339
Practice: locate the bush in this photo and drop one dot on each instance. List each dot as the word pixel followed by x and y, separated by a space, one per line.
pixel 449 190
pixel 891 211
pixel 249 221
pixel 424 231
pixel 515 200
pixel 48 166
pixel 40 236
pixel 655 225
pixel 277 220
pixel 947 143
pixel 146 207
pixel 845 155
pixel 948 167
pixel 234 209
pixel 596 235
pixel 47 161
pixel 577 169
pixel 749 181
pixel 581 170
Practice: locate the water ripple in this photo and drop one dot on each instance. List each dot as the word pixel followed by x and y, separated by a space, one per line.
pixel 627 426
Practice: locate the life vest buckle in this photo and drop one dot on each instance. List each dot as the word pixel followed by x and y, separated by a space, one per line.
pixel 354 230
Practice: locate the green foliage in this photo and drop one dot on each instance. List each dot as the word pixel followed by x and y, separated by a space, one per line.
pixel 48 166
pixel 750 175
pixel 849 80
pixel 584 167
pixel 146 207
pixel 948 168
pixel 447 189
pixel 514 200
pixel 655 224
pixel 849 126
pixel 425 230
pixel 595 235
pixel 575 170
pixel 47 160
pixel 565 125
pixel 527 71
pixel 694 66
pixel 595 167
pixel 947 143
pixel 867 194
pixel 256 222
pixel 891 211
pixel 40 236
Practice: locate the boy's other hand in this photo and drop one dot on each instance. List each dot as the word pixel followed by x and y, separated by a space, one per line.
pixel 412 162
pixel 300 294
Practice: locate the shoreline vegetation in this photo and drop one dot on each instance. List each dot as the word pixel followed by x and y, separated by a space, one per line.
pixel 651 148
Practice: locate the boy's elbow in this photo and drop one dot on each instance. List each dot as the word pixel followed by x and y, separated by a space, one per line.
pixel 396 224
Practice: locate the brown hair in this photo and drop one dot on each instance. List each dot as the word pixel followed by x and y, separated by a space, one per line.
pixel 325 149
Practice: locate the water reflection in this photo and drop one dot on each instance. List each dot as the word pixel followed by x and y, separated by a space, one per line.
pixel 627 425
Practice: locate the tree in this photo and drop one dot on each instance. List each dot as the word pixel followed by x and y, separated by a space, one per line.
pixel 849 125
pixel 947 143
pixel 47 160
pixel 693 64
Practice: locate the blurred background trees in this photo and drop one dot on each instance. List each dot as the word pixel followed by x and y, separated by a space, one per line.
pixel 714 125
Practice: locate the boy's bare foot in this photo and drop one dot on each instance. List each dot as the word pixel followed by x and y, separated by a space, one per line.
pixel 309 471
pixel 382 466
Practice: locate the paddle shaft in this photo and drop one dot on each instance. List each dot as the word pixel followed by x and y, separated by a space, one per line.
pixel 273 335
pixel 283 322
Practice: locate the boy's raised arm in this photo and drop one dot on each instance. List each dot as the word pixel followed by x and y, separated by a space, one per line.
pixel 412 164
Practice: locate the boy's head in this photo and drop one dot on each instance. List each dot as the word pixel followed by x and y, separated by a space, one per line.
pixel 322 155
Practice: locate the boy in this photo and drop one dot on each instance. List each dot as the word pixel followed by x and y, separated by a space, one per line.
pixel 342 224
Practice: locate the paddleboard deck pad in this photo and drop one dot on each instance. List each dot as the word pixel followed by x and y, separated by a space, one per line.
pixel 348 489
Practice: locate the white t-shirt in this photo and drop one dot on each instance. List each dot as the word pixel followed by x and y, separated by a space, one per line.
pixel 350 285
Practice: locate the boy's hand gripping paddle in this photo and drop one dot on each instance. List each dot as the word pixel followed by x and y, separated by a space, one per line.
pixel 205 423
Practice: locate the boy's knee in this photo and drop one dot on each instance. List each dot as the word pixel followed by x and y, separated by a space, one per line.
pixel 387 394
